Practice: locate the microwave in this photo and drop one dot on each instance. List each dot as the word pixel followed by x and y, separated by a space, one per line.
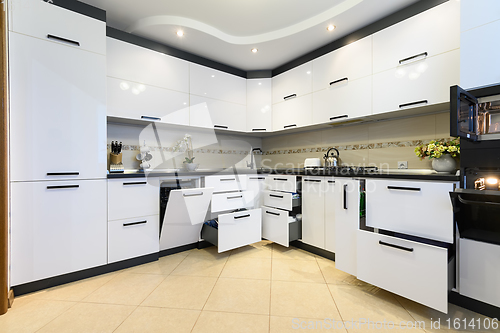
pixel 475 114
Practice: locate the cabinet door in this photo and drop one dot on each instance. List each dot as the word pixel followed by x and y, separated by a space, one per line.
pixel 343 100
pixel 313 211
pixel 424 82
pixel 296 81
pixel 296 112
pixel 275 225
pixel 475 13
pixel 212 113
pixel 127 99
pixel 330 214
pixel 429 33
pixel 57 228
pixel 57 111
pixel 133 197
pixel 259 105
pixel 350 62
pixel 211 83
pixel 477 68
pixel 346 224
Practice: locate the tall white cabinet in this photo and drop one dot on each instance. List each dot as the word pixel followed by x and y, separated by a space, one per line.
pixel 57 141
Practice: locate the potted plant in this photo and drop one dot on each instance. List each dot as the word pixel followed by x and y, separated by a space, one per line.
pixel 442 153
pixel 186 145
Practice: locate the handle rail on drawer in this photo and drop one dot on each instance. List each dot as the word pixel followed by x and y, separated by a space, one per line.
pixel 345 196
pixel 413 57
pixel 150 118
pixel 258 129
pixel 241 216
pixel 339 117
pixel 73 173
pixel 135 183
pixel 288 126
pixel 235 197
pixel 281 179
pixel 413 103
pixel 227 179
pixel 339 80
pixel 408 249
pixel 313 180
pixel 65 40
pixel 331 181
pixel 221 126
pixel 276 196
pixel 257 178
pixel 62 186
pixel 290 96
pixel 134 223
pixel 404 188
pixel 192 194
pixel 272 213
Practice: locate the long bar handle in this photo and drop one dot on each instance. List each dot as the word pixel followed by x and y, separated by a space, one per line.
pixel 413 103
pixel 65 40
pixel 135 183
pixel 73 173
pixel 403 188
pixel 272 213
pixel 235 197
pixel 192 194
pixel 339 117
pixel 345 196
pixel 62 186
pixel 290 96
pixel 425 54
pixel 276 196
pixel 241 216
pixel 227 179
pixel 258 129
pixel 288 126
pixel 313 180
pixel 150 118
pixel 134 223
pixel 408 249
pixel 340 80
pixel 221 126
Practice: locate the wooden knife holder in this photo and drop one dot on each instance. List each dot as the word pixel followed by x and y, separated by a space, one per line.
pixel 115 163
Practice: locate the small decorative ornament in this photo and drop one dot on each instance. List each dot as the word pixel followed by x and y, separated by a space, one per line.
pixel 186 145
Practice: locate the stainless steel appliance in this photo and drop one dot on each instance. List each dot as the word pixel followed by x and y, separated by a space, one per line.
pixel 332 160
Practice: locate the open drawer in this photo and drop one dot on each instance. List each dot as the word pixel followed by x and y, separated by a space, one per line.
pixel 277 228
pixel 235 230
pixel 232 200
pixel 283 183
pixel 282 200
pixel 413 270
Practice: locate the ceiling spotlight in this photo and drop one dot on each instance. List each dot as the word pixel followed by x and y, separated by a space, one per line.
pixel 180 33
pixel 254 50
pixel 330 27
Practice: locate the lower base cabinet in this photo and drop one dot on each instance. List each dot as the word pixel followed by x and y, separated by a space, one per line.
pixel 277 227
pixel 132 238
pixel 413 270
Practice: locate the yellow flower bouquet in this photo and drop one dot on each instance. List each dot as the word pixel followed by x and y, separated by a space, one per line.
pixel 436 149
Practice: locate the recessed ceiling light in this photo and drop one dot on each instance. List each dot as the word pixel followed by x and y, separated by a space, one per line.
pixel 180 33
pixel 254 50
pixel 330 27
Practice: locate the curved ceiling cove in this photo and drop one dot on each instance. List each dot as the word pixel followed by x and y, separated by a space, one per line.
pixel 177 21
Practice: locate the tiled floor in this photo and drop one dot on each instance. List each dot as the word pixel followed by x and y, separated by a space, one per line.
pixel 260 288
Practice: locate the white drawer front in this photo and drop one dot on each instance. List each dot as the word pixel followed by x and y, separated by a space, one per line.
pixel 233 200
pixel 405 199
pixel 41 19
pixel 416 271
pixel 282 183
pixel 226 183
pixel 133 197
pixel 239 229
pixel 257 184
pixel 132 238
pixel 275 199
pixel 275 225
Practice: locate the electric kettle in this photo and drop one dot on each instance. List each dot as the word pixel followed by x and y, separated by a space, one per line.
pixel 332 160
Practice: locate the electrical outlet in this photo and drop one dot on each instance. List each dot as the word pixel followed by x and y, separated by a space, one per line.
pixel 403 165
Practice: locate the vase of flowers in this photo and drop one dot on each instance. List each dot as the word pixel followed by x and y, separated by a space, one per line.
pixel 442 153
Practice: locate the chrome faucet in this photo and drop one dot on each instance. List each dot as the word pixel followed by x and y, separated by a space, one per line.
pixel 251 165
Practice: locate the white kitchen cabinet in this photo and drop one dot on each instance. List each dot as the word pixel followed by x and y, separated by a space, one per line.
pixel 214 84
pixel 296 81
pixel 129 62
pixel 346 223
pixel 475 13
pixel 281 200
pixel 413 270
pixel 131 238
pixel 286 183
pixel 330 214
pixel 275 225
pixel 343 100
pixel 259 105
pixel 232 200
pixel 427 34
pixel 57 111
pixel 292 113
pixel 257 184
pixel 127 99
pixel 58 227
pixel 239 229
pixel 49 22
pixel 479 68
pixel 403 198
pixel 217 114
pixel 133 197
pixel 351 62
pixel 423 82
pixel 313 211
pixel 226 183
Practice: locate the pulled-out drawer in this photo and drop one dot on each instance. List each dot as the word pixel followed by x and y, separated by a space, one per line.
pixel 132 238
pixel 277 228
pixel 283 183
pixel 282 200
pixel 235 230
pixel 232 200
pixel 226 183
pixel 413 270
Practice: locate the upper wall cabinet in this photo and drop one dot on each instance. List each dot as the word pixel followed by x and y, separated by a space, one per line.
pixel 217 114
pixel 475 13
pixel 211 83
pixel 427 34
pixel 293 83
pixel 259 105
pixel 140 65
pixel 50 22
pixel 296 112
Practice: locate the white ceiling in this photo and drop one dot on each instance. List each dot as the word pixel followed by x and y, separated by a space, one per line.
pixel 227 30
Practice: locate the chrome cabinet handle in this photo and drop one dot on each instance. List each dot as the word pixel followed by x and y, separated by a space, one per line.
pixel 192 194
pixel 340 80
pixel 408 249
pixel 235 197
pixel 134 223
pixel 290 96
pixel 150 118
pixel 403 188
pixel 413 103
pixel 62 186
pixel 63 173
pixel 65 40
pixel 413 57
pixel 227 179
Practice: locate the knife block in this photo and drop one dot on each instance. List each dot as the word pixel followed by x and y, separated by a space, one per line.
pixel 115 163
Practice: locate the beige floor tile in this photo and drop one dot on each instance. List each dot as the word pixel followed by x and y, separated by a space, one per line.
pixel 294 324
pixel 126 289
pixel 367 302
pixel 281 252
pixel 262 250
pixel 297 270
pixel 163 266
pixel 225 322
pixel 29 314
pixel 183 292
pixel 201 265
pixel 159 320
pixel 247 268
pixel 383 327
pixel 240 295
pixel 91 318
pixel 299 299
pixel 209 251
pixel 423 313
pixel 332 274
